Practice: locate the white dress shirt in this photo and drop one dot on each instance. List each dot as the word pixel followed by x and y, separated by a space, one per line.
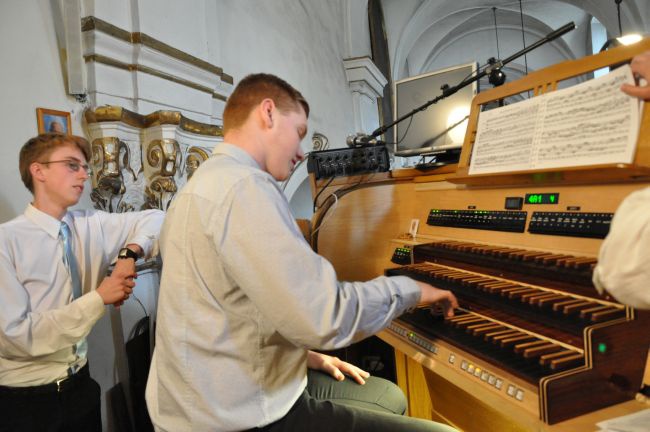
pixel 623 268
pixel 39 324
pixel 243 297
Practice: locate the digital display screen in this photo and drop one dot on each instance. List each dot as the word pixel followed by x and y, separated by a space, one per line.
pixel 542 198
pixel 514 203
pixel 442 126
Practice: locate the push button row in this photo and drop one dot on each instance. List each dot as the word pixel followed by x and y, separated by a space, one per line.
pixel 492 380
pixel 413 337
pixel 466 366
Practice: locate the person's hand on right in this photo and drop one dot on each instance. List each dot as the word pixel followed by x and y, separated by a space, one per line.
pixel 430 295
pixel 641 69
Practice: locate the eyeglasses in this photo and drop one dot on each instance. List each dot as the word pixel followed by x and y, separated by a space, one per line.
pixel 72 165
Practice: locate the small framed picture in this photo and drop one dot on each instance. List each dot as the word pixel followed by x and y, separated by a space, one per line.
pixel 53 121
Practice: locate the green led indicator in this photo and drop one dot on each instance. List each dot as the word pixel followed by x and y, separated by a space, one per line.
pixel 602 347
pixel 543 198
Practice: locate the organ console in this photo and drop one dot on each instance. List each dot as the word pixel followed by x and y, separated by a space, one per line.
pixel 533 346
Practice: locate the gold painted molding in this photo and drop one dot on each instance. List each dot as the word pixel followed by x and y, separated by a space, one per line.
pixel 93 23
pixel 90 23
pixel 151 71
pixel 195 157
pixel 113 113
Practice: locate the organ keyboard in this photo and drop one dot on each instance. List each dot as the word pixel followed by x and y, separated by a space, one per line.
pixel 533 345
pixel 535 315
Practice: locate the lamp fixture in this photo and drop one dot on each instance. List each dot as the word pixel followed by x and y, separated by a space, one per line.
pixel 496 77
pixel 622 39
pixel 629 39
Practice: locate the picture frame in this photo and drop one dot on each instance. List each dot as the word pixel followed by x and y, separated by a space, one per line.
pixel 50 120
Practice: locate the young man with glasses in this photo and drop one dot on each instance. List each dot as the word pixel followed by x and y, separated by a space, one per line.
pixel 53 288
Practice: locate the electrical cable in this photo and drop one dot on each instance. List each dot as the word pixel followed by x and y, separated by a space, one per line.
pixel 496 33
pixel 523 38
pixel 140 303
pixel 328 215
pixel 321 191
pixel 618 13
pixel 405 132
pixel 324 209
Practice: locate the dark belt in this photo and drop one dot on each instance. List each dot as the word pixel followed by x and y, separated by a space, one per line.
pixel 59 386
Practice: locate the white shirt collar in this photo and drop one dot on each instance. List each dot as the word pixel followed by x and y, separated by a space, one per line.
pixel 46 222
pixel 236 153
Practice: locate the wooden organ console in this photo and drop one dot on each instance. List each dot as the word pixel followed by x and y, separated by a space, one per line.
pixel 533 346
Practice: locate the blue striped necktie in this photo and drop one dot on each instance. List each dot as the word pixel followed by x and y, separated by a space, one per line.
pixel 81 348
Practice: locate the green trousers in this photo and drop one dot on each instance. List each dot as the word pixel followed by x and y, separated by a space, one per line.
pixel 328 405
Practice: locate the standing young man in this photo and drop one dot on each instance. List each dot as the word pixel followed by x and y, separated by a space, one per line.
pixel 53 286
pixel 243 297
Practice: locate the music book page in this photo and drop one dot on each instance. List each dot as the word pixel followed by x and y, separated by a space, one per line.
pixel 636 422
pixel 590 123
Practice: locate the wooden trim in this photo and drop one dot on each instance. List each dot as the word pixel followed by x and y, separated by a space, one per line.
pixel 540 82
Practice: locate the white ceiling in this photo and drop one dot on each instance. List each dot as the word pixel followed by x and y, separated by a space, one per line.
pixel 428 35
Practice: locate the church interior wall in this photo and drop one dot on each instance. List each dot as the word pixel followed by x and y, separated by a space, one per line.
pixel 304 45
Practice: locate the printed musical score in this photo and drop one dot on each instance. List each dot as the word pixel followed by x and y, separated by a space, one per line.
pixel 588 124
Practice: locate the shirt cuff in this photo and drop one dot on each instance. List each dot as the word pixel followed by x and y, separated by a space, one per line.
pixel 92 305
pixel 146 243
pixel 409 294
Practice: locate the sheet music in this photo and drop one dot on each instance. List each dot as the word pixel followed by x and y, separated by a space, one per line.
pixel 636 422
pixel 588 124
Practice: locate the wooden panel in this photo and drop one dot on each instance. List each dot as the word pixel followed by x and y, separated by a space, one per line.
pixel 360 230
pixel 547 79
pixel 419 398
pixel 401 375
pixel 464 411
pixel 468 412
pixel 361 226
pixel 356 235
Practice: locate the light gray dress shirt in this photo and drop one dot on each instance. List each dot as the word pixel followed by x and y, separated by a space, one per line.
pixel 242 299
pixel 39 324
pixel 623 268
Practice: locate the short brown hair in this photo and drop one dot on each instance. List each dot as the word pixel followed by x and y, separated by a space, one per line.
pixel 41 146
pixel 252 90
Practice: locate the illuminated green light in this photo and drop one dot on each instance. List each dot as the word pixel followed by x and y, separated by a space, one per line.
pixel 542 198
pixel 602 347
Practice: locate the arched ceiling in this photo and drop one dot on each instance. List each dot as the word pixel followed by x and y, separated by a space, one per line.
pixel 428 35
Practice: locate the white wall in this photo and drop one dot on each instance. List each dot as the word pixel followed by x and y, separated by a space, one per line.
pixel 303 43
pixel 31 77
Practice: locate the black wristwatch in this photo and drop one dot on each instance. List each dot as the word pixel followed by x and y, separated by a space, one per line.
pixel 127 253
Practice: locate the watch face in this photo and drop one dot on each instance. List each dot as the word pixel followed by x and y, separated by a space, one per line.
pixel 127 253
